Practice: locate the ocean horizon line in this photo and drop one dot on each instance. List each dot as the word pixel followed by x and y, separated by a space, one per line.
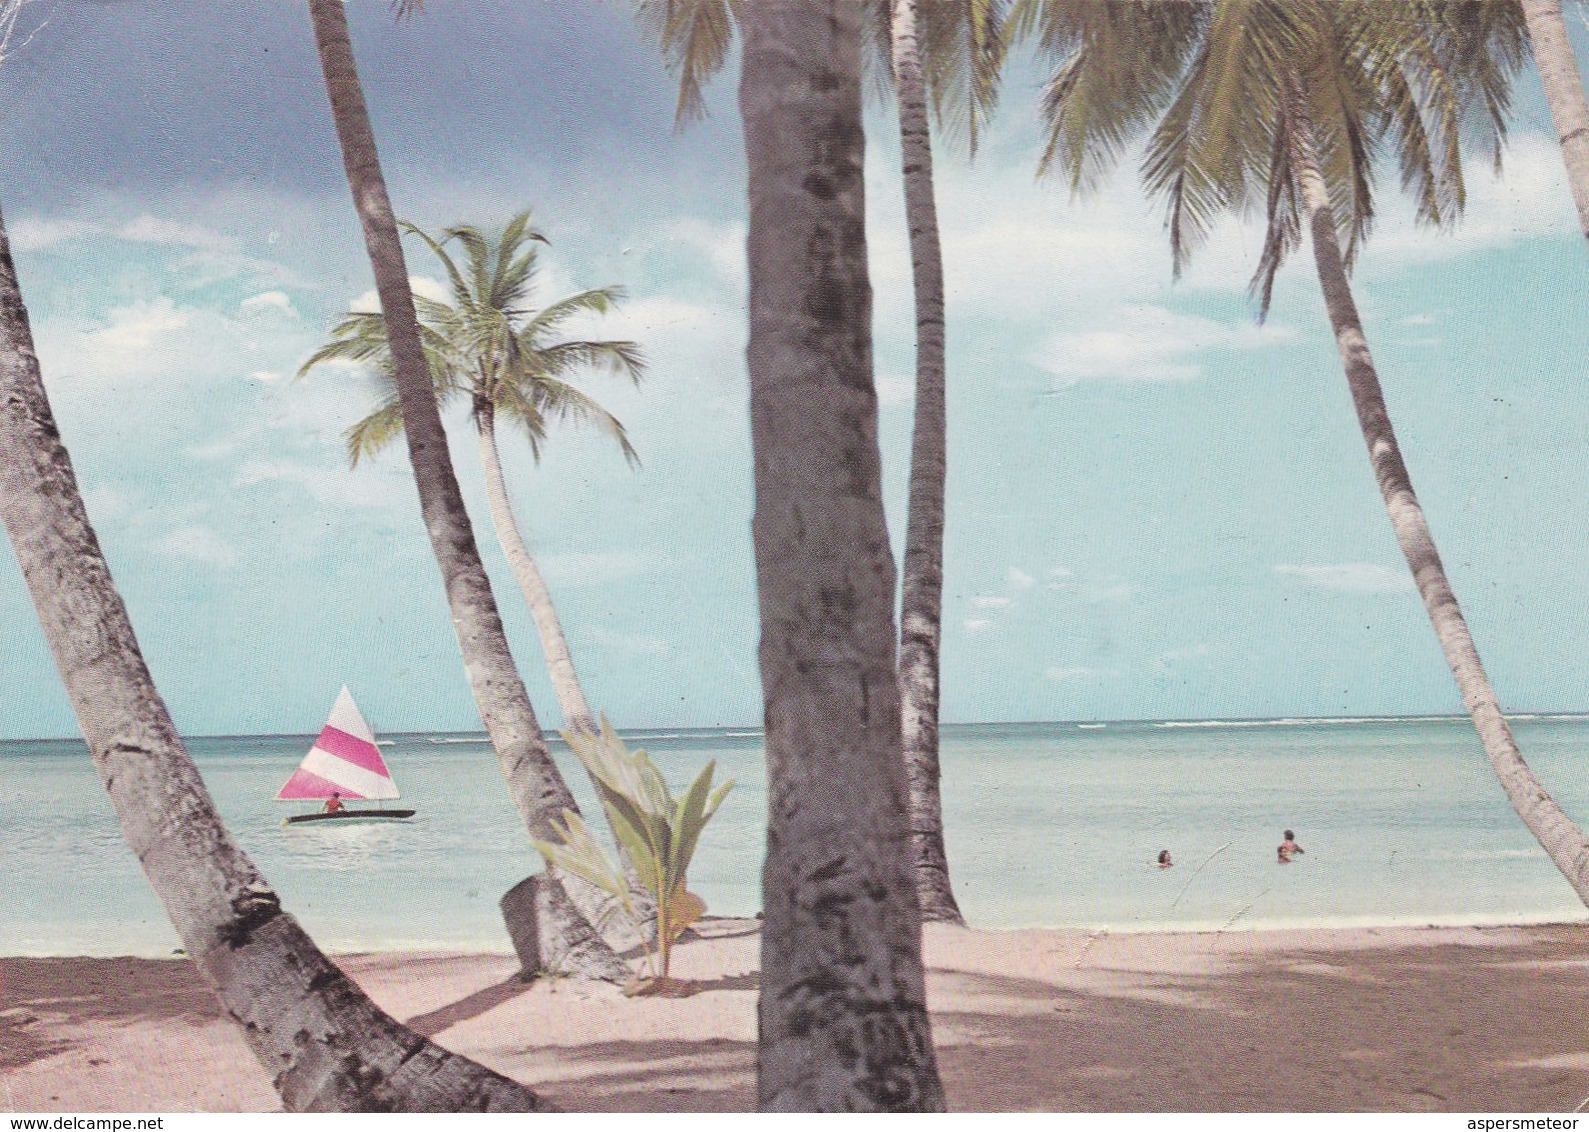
pixel 755 731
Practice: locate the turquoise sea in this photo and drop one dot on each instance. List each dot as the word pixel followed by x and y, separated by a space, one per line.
pixel 1048 824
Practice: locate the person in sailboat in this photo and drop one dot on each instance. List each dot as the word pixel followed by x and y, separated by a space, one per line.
pixel 334 803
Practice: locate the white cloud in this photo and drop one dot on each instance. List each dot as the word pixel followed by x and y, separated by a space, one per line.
pixel 34 233
pixel 1025 252
pixel 138 326
pixel 422 285
pixel 722 246
pixel 1148 343
pixel 645 318
pixel 148 229
pixel 1020 579
pixel 1418 320
pixel 1350 577
pixel 977 624
pixel 135 340
pixel 214 256
pixel 1530 198
pixel 197 543
pixel 164 352
pixel 268 301
pixel 989 602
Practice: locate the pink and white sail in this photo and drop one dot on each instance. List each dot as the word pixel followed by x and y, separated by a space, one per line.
pixel 344 760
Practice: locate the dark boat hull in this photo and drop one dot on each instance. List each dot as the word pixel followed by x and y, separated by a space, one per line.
pixel 351 815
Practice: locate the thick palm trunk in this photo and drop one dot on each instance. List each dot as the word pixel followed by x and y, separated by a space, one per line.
pixel 921 610
pixel 538 790
pixel 842 1016
pixel 1558 74
pixel 1554 830
pixel 325 1045
pixel 559 664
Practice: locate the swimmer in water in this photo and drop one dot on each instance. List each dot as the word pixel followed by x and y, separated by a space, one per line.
pixel 1288 848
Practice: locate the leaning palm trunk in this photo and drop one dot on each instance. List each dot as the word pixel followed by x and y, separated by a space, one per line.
pixel 1554 830
pixel 559 664
pixel 326 1046
pixel 1558 74
pixel 842 1017
pixel 539 792
pixel 921 610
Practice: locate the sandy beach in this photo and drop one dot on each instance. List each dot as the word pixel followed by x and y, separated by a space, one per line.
pixel 1397 1019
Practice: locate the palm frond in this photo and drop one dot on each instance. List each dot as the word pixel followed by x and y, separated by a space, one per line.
pixel 694 37
pixel 460 289
pixel 1207 81
pixel 559 401
pixel 962 45
pixel 488 345
pixel 514 267
pixel 1282 222
pixel 622 358
pixel 877 50
pixel 1212 149
pixel 511 401
pixel 375 431
pixel 598 300
pixel 1118 66
pixel 477 260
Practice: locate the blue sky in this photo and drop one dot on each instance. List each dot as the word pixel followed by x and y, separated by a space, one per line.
pixel 1157 508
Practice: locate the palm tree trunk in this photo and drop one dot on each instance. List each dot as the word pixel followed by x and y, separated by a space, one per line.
pixel 326 1046
pixel 538 790
pixel 559 664
pixel 1558 73
pixel 842 1020
pixel 921 610
pixel 1554 830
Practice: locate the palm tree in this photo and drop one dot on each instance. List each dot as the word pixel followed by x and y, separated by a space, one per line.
pixel 1558 74
pixel 1287 103
pixel 539 792
pixel 326 1046
pixel 978 56
pixel 842 1018
pixel 491 346
pixel 949 52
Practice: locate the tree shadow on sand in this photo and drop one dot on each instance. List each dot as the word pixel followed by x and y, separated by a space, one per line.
pixel 1447 1028
pixel 712 1075
pixel 433 1022
pixel 101 990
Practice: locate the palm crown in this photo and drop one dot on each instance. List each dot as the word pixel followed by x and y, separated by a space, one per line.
pixel 490 344
pixel 1219 87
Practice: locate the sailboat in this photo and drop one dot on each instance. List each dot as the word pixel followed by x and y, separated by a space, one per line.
pixel 345 764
